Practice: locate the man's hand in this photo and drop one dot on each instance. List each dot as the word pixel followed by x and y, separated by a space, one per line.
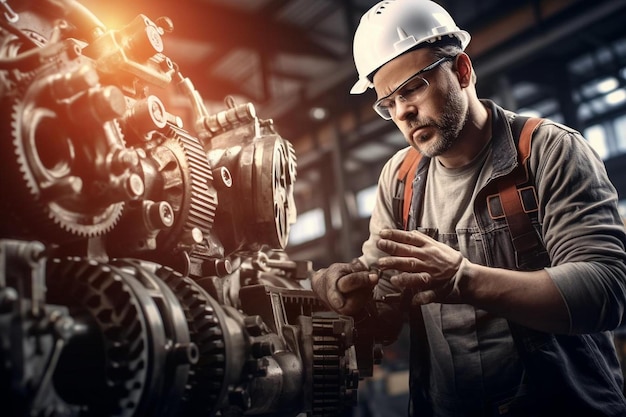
pixel 345 288
pixel 428 267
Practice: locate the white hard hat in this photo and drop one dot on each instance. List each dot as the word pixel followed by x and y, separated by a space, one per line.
pixel 392 27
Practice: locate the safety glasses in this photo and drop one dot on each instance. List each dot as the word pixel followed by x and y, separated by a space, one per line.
pixel 410 90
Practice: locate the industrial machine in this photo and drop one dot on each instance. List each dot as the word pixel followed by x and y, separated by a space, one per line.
pixel 142 263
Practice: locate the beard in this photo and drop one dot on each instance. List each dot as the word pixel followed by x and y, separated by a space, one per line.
pixel 447 128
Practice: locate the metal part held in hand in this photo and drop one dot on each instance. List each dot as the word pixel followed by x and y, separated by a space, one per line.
pixel 402 297
pixel 395 298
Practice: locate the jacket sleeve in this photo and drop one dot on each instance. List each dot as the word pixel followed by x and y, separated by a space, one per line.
pixel 389 319
pixel 582 228
pixel 382 215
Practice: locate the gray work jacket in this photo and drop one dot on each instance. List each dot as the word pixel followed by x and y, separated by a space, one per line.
pixel 583 250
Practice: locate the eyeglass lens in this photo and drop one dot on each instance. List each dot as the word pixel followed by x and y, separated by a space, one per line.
pixel 410 92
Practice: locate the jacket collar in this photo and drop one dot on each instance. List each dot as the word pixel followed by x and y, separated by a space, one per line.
pixel 504 149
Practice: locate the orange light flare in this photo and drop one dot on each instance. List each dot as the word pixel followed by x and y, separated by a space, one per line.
pixel 116 14
pixel 187 52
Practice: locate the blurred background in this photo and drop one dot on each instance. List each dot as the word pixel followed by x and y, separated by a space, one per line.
pixel 560 59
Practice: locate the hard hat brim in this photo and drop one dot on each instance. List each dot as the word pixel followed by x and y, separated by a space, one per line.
pixel 361 86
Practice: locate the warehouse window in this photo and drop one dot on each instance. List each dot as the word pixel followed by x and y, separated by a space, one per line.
pixel 365 200
pixel 620 133
pixel 596 136
pixel 308 226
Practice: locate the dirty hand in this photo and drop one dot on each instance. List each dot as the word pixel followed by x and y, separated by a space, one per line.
pixel 429 268
pixel 345 288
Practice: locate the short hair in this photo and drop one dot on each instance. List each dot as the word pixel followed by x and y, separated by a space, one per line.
pixel 448 48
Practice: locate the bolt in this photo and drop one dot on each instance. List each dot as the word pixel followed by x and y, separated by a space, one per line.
pixel 190 239
pixel 195 236
pixel 218 267
pixel 161 214
pixel 185 353
pixel 147 115
pixel 157 112
pixel 224 175
pixel 135 186
pixel 167 64
pixel 223 267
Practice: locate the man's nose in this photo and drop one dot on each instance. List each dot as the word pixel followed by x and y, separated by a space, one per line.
pixel 404 108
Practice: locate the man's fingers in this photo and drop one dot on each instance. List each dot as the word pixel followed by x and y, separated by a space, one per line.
pixel 356 281
pixel 402 243
pixel 424 297
pixel 345 288
pixel 336 299
pixel 411 280
pixel 413 237
pixel 402 263
pixel 395 248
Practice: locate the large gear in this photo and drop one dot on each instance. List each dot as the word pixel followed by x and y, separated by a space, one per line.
pixel 46 168
pixel 206 380
pixel 102 295
pixel 267 171
pixel 192 195
pixel 36 166
pixel 283 178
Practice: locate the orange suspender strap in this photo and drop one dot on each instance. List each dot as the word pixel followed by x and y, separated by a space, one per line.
pixel 408 166
pixel 525 140
pixel 521 229
pixel 523 234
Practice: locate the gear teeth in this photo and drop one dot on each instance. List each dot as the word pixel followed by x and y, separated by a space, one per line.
pixel 199 211
pixel 203 198
pixel 206 378
pixel 45 218
pixel 109 301
pixel 329 393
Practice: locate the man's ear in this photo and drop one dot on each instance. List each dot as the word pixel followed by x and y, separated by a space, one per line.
pixel 464 69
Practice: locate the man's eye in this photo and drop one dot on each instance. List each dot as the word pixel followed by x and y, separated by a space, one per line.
pixel 410 89
pixel 388 104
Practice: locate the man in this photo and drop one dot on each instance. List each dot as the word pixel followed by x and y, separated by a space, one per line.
pixel 493 331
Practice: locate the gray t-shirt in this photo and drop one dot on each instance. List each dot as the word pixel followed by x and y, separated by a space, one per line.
pixel 473 356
